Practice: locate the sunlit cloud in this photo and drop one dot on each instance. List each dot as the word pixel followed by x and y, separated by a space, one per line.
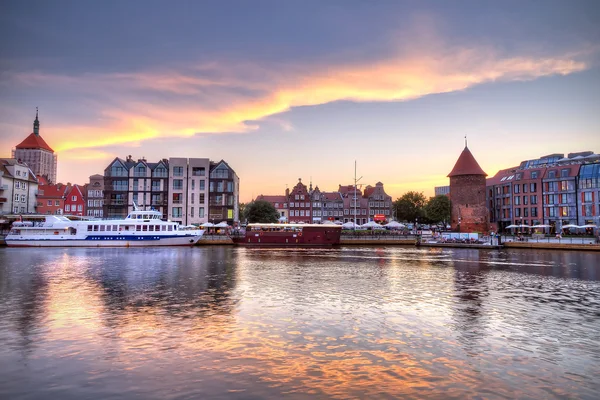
pixel 235 98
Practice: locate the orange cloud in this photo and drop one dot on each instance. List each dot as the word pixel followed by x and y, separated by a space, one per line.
pixel 216 98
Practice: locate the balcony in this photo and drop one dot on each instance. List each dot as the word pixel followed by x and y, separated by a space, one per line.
pixel 2 200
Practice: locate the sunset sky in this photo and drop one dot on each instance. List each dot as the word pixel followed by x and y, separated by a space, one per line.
pixel 283 90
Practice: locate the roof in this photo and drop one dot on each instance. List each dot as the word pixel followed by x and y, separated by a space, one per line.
pixel 34 141
pixel 272 198
pixel 369 191
pixel 466 165
pixel 52 191
pixel 332 196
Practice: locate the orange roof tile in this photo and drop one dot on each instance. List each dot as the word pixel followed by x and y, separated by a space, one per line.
pixel 34 141
pixel 466 165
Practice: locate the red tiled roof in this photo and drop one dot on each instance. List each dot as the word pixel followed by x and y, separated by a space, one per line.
pixel 34 141
pixel 466 165
pixel 272 198
pixel 369 191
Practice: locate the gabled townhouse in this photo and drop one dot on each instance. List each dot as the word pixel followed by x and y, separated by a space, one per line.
pixel 18 187
pixel 75 200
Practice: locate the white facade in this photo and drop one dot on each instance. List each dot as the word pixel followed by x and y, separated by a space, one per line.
pixel 188 190
pixel 19 188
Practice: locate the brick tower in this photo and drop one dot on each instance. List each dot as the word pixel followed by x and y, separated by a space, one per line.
pixel 467 193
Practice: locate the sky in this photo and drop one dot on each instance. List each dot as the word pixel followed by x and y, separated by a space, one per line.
pixel 283 90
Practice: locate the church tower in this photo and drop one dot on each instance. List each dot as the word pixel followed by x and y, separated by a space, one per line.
pixel 467 193
pixel 35 152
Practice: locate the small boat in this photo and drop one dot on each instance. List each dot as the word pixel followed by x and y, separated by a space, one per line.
pixel 293 235
pixel 139 228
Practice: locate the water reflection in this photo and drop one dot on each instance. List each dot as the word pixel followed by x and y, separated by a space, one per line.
pixel 224 322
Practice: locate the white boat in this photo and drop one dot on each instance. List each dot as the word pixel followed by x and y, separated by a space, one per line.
pixel 139 229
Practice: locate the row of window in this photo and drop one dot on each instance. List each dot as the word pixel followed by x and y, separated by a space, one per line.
pixel 20 185
pixel 69 209
pixel 139 171
pixel 95 193
pixel 95 203
pixel 177 212
pixel 130 228
pixel 20 198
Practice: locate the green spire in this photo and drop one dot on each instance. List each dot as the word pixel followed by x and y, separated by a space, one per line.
pixel 36 123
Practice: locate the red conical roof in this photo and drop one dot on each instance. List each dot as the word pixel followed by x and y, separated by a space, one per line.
pixel 34 141
pixel 466 165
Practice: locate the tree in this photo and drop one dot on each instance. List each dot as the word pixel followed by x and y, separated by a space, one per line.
pixel 261 211
pixel 439 209
pixel 242 211
pixel 410 206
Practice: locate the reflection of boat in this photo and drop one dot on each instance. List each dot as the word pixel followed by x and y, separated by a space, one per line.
pixel 290 235
pixel 139 228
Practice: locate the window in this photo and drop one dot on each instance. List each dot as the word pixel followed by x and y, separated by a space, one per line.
pixel 202 184
pixel 533 199
pixel 176 211
pixel 587 210
pixel 198 171
pixel 57 203
pixel 79 207
pixel 551 174
pixel 193 184
pixel 117 170
pixel 517 212
pixel 201 198
pixel 564 173
pixel 67 208
pixel 534 211
pixel 23 200
pixel 192 212
pixel 49 202
pixel 517 187
pixel 139 170
pixel 525 187
pixel 177 198
pixel 177 184
pixel 517 200
pixel 587 196
pixel 526 212
pixel 220 186
pixel 192 197
pixel 160 172
pixel 177 171
pixel 532 187
pixel 525 200
pixel 16 198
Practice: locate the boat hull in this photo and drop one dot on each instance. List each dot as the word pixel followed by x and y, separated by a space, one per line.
pixel 311 236
pixel 136 241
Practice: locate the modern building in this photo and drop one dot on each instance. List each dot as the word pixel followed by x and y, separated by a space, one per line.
pixel 94 191
pixel 188 190
pixel 468 195
pixel 140 183
pixel 589 194
pixel 224 193
pixel 35 152
pixel 442 190
pixel 18 187
pixel 552 190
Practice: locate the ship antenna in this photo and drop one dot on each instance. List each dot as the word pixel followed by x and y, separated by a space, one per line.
pixel 135 207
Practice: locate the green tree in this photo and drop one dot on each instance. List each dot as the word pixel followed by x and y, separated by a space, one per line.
pixel 410 206
pixel 261 211
pixel 439 208
pixel 242 210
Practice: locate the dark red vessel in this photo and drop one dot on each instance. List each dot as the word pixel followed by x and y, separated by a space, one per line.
pixel 297 235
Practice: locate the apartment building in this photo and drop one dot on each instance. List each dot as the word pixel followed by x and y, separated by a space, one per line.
pixel 188 190
pixel 224 193
pixel 94 191
pixel 18 187
pixel 589 194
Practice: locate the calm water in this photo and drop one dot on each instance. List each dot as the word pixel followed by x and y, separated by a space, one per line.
pixel 232 323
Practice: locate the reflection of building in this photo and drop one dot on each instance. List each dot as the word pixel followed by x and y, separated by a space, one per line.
pixel 467 193
pixel 18 187
pixel 35 152
pixel 188 190
pixel 224 193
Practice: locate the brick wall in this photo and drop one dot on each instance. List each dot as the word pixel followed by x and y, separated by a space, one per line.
pixel 467 193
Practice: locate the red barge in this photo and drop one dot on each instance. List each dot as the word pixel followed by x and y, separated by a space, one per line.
pixel 293 235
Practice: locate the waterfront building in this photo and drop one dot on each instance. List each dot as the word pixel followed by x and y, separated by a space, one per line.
pixel 327 206
pixel 94 191
pixel 51 197
pixel 442 190
pixel 280 204
pixel 224 193
pixel 75 200
pixel 189 190
pixel 379 202
pixel 18 187
pixel 589 194
pixel 35 152
pixel 468 195
pixel 128 182
pixel 551 190
pixel 299 204
pixel 356 208
pixel 560 196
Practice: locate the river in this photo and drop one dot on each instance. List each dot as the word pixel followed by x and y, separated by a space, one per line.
pixel 216 322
